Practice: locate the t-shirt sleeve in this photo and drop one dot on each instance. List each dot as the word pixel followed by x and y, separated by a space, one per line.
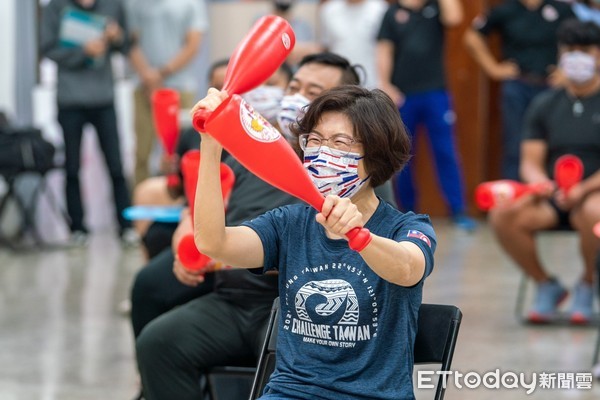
pixel 488 22
pixel 268 227
pixel 418 230
pixel 132 16
pixel 386 30
pixel 566 12
pixel 198 16
pixel 325 36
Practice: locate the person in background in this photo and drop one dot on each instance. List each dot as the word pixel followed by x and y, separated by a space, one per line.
pixel 304 32
pixel 85 94
pixel 558 122
pixel 159 239
pixel 266 99
pixel 167 35
pixel 410 58
pixel 527 30
pixel 587 10
pixel 349 28
pixel 154 190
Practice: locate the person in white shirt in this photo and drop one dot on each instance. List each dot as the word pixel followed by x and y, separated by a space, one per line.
pixel 349 28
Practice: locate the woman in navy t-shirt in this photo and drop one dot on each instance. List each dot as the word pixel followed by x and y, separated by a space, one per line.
pixel 348 318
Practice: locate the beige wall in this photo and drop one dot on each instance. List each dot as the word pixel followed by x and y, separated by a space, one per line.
pixel 230 21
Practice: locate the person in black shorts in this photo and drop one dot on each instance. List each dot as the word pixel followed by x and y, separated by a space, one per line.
pixel 527 30
pixel 560 121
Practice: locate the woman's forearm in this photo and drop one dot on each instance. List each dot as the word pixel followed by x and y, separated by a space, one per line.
pixel 209 214
pixel 399 263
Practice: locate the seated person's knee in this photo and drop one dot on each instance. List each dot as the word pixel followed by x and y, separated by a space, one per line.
pixel 153 191
pixel 500 218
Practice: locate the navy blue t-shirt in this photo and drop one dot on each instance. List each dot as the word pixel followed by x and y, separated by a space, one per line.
pixel 344 332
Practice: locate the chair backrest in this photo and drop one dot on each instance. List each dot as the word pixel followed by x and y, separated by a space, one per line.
pixel 266 361
pixel 435 342
pixel 436 338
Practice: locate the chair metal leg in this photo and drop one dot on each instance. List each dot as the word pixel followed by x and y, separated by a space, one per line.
pixel 596 357
pixel 11 194
pixel 53 201
pixel 522 293
pixel 29 224
pixel 27 211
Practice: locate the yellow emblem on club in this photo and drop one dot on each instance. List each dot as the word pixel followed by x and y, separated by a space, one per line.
pixel 256 125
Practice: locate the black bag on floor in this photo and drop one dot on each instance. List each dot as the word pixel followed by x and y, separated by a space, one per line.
pixel 25 149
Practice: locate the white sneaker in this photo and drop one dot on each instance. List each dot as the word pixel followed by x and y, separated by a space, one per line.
pixel 124 307
pixel 79 239
pixel 596 371
pixel 129 237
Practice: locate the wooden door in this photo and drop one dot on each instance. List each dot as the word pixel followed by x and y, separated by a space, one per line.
pixel 477 126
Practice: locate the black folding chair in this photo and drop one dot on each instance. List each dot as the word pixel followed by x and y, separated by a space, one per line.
pixel 237 380
pixel 26 208
pixel 266 362
pixel 436 339
pixel 435 343
pixel 231 381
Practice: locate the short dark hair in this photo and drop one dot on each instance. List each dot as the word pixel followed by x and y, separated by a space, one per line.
pixel 349 72
pixel 287 71
pixel 376 123
pixel 217 64
pixel 573 32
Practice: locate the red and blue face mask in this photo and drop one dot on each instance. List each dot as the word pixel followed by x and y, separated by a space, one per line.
pixel 333 172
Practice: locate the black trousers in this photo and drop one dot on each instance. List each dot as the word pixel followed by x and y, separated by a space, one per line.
pixel 158 237
pixel 104 120
pixel 174 349
pixel 156 290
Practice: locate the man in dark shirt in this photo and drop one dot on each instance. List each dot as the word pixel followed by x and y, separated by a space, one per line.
pixel 527 29
pixel 559 122
pixel 410 58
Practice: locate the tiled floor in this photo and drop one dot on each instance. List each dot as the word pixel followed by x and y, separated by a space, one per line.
pixel 62 336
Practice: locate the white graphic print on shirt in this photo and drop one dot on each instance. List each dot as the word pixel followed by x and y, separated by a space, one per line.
pixel 327 312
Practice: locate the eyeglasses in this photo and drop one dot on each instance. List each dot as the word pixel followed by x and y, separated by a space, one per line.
pixel 339 142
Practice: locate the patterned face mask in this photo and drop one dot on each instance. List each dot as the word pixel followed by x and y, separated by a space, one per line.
pixel 333 172
pixel 579 67
pixel 266 101
pixel 292 109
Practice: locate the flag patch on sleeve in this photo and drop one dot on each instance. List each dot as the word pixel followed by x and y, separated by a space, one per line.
pixel 419 235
